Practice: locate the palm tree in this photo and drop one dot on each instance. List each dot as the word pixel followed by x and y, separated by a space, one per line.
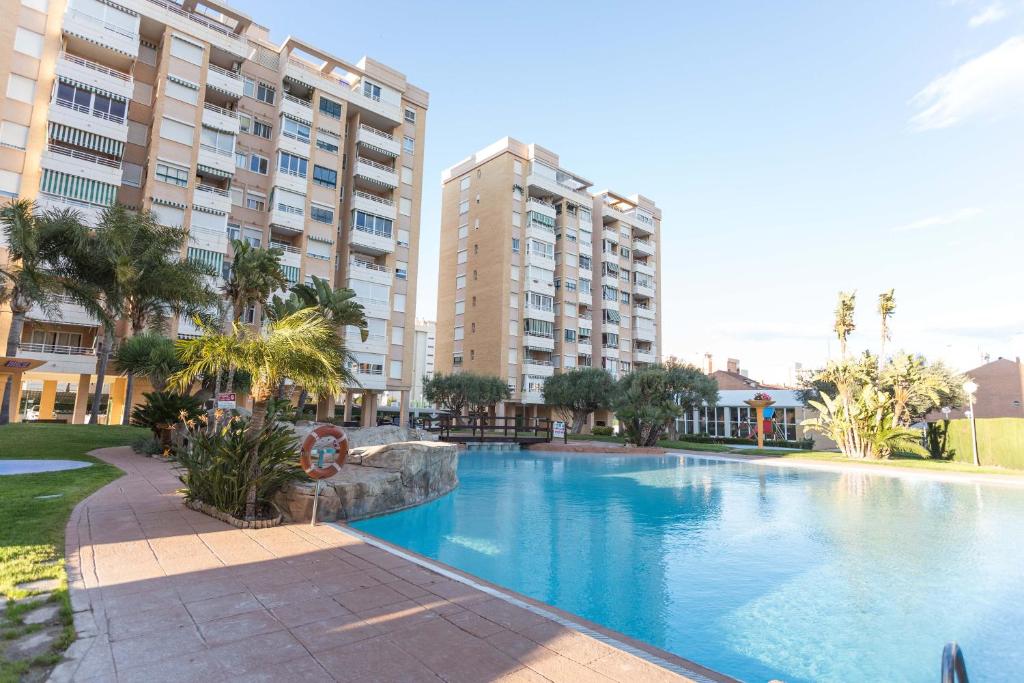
pixel 886 309
pixel 844 324
pixel 254 274
pixel 30 275
pixel 304 347
pixel 150 355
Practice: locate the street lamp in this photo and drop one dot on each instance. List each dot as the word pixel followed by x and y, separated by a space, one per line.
pixel 971 388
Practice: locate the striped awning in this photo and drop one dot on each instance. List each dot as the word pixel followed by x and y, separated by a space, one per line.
pixel 291 273
pixel 204 209
pixel 210 170
pixel 168 202
pixel 379 150
pixel 375 181
pixel 91 88
pixel 69 29
pixel 293 117
pixel 181 81
pixel 80 138
pixel 74 187
pixel 213 259
pixel 318 238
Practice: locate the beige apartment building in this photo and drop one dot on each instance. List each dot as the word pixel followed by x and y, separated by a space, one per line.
pixel 191 111
pixel 539 274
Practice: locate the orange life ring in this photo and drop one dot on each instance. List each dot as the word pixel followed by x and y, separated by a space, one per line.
pixel 340 451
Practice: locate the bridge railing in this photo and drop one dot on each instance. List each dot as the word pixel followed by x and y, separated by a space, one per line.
pixel 486 427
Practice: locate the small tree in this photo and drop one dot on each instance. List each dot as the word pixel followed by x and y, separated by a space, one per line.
pixel 886 309
pixel 844 324
pixel 484 392
pixel 447 392
pixel 647 400
pixel 576 394
pixel 150 355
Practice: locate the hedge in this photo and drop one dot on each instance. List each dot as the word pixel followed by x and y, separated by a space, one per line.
pixel 1000 441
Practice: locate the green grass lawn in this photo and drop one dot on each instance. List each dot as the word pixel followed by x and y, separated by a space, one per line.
pixel 664 443
pixel 906 462
pixel 32 530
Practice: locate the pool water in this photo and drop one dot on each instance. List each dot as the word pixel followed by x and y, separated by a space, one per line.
pixel 756 571
pixel 29 466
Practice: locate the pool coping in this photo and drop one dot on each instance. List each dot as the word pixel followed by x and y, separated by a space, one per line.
pixel 645 651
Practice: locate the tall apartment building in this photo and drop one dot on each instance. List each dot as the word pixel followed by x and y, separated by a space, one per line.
pixel 539 274
pixel 191 111
pixel 423 361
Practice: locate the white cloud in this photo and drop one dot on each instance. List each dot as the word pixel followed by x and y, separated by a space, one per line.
pixel 990 14
pixel 992 83
pixel 939 220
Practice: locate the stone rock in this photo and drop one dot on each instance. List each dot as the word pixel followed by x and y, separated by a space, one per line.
pixel 40 585
pixel 34 644
pixel 377 480
pixel 359 437
pixel 41 615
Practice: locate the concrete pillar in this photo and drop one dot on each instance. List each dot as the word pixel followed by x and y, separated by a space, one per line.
pixel 366 409
pixel 48 399
pixel 15 401
pixel 325 409
pixel 115 403
pixel 727 419
pixel 403 408
pixel 347 415
pixel 81 399
pixel 499 409
pixel 374 402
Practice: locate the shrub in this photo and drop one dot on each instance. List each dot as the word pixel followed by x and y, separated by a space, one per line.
pixel 163 408
pixel 602 431
pixel 221 464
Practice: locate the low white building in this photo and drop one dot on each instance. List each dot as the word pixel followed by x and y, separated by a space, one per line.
pixel 733 418
pixel 423 359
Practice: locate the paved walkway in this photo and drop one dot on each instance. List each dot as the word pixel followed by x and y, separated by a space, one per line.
pixel 161 592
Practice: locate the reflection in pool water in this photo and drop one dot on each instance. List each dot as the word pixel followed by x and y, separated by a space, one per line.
pixel 759 572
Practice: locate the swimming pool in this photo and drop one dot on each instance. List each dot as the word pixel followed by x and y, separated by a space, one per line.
pixel 756 571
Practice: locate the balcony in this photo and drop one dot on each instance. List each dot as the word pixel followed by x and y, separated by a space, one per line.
pixel 389 110
pixel 643 247
pixel 90 213
pixel 545 314
pixel 222 80
pixel 220 118
pixel 540 260
pixel 584 348
pixel 373 381
pixel 610 235
pixel 297 108
pixel 375 308
pixel 538 368
pixel 540 232
pixel 378 140
pixel 365 271
pixel 532 397
pixel 645 333
pixel 291 256
pixel 612 281
pixel 370 203
pixel 304 72
pixel 199 25
pixel 220 160
pixel 375 343
pixel 551 186
pixel 89 120
pixel 287 217
pixel 73 360
pixel 533 341
pixel 70 313
pixel 376 173
pixel 609 352
pixel 644 356
pixel 81 164
pixel 372 242
pixel 643 268
pixel 644 289
pixel 212 198
pixel 646 312
pixel 94 74
pixel 121 38
pixel 540 206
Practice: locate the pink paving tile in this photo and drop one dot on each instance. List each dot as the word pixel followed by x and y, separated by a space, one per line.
pixel 305 669
pixel 334 632
pixel 567 642
pixel 473 623
pixel 626 668
pixel 194 666
pixel 378 660
pixel 197 587
pixel 367 598
pixel 155 646
pixel 308 611
pixel 143 601
pixel 344 582
pixel 398 616
pixel 455 655
pixel 135 624
pixel 506 614
pixel 223 606
pixel 277 596
pixel 238 627
pixel 258 652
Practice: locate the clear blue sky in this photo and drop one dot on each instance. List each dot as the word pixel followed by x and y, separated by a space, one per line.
pixel 795 149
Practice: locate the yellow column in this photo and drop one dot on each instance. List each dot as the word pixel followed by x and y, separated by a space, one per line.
pixel 347 415
pixel 403 409
pixel 48 400
pixel 81 399
pixel 115 404
pixel 16 397
pixel 325 408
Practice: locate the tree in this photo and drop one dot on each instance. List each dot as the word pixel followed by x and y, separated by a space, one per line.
pixel 864 427
pixel 32 274
pixel 151 355
pixel 303 347
pixel 448 392
pixel 886 309
pixel 918 387
pixel 844 324
pixel 577 394
pixel 647 400
pixel 483 392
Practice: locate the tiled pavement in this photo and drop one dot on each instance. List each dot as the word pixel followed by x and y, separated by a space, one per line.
pixel 161 592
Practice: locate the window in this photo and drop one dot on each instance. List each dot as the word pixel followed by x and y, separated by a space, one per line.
pixel 624 297
pixel 295 130
pixel 403 237
pixel 464 183
pixel 258 164
pixel 570 335
pixel 407 175
pixel 84 100
pixel 248 86
pixel 463 207
pixel 399 303
pixel 610 316
pixel 397 335
pixel 460 282
pixel 236 196
pixel 609 294
pixel 410 116
pixel 514 274
pixel 217 139
pixel 292 165
pixel 539 328
pixel 172 174
pixel 327 141
pixel 241 160
pixel 138 133
pixel 460 307
pixel 515 245
pixel 255 203
pixel 396 369
pixel 517 219
pixel 325 177
pixel 234 231
pixel 28 42
pixel 265 93
pixel 183 49
pixel 377 225
pixel 321 214
pixel 513 300
pixel 10 183
pixel 624 252
pixel 570 284
pixel 584 262
pixel 244 123
pixel 405 206
pixel 180 91
pixel 263 130
pixel 462 256
pixel 408 144
pixel 13 135
pixel 584 286
pixel 330 108
pixel 463 231
pixel 401 270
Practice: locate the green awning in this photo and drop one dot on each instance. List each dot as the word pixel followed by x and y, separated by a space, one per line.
pixel 81 138
pixel 291 273
pixel 74 187
pixel 213 171
pixel 181 81
pixel 168 202
pixel 379 150
pixel 91 88
pixel 203 209
pixel 325 240
pixel 213 259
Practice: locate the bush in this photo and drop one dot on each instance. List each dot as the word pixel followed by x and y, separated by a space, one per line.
pixel 1000 441
pixel 803 444
pixel 602 431
pixel 218 465
pixel 163 408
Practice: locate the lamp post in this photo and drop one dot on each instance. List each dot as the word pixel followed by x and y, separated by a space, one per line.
pixel 971 388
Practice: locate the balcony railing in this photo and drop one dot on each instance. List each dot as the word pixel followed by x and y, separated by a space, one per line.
pixel 96 21
pixel 356 263
pixel 99 68
pixel 313 70
pixel 376 164
pixel 290 209
pixel 220 110
pixel 374 198
pixel 373 231
pixel 376 131
pixel 199 19
pixel 213 190
pixel 89 110
pixel 298 100
pixel 283 246
pixel 225 72
pixel 534 361
pixel 58 349
pixel 288 171
pixel 643 243
pixel 83 156
pixel 216 150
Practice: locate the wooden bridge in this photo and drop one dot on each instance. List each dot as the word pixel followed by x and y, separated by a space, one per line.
pixel 487 429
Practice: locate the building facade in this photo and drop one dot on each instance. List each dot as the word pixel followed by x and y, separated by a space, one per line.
pixel 190 110
pixel 423 360
pixel 539 275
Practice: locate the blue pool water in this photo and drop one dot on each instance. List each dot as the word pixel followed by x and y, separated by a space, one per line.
pixel 759 572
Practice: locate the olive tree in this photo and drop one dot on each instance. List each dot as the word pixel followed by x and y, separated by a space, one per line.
pixel 649 399
pixel 576 394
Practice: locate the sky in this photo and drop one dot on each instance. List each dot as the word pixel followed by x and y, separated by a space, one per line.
pixel 795 148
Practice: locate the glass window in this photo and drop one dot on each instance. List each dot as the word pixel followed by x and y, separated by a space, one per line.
pixel 172 174
pixel 405 206
pixel 294 129
pixel 264 130
pixel 399 303
pixel 410 114
pixel 401 270
pixel 330 108
pixel 408 144
pixel 293 165
pixel 241 160
pixel 265 93
pixel 327 141
pixel 407 175
pixel 258 164
pixel 255 203
pixel 321 214
pixel 403 237
pixel 325 177
pixel 377 225
pixel 515 245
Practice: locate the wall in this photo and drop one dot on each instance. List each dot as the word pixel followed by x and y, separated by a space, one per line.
pixel 1000 441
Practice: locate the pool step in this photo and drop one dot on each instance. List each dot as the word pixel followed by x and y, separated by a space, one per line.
pixel 492 446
